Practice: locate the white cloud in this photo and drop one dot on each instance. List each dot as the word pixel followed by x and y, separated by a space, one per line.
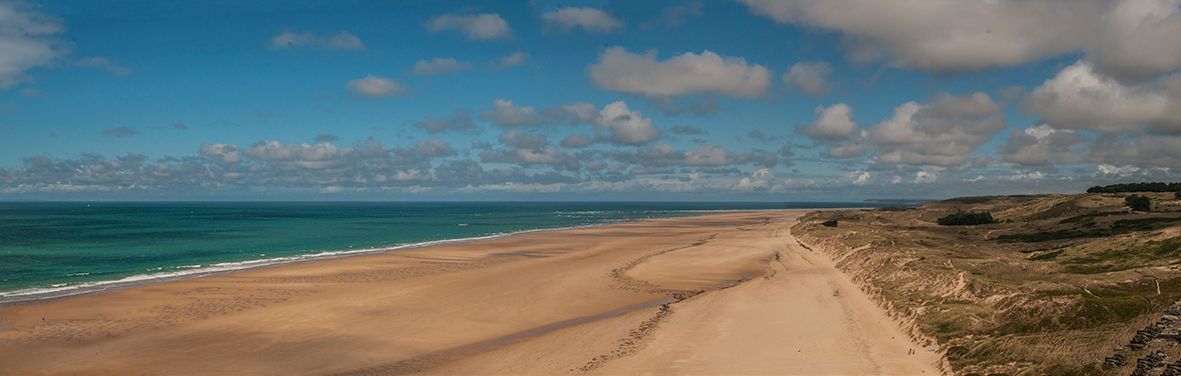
pixel 1137 39
pixel 224 153
pixel 440 65
pixel 944 35
pixel 577 140
pixel 759 179
pixel 504 113
pixel 859 177
pixel 707 155
pixel 833 123
pixel 941 133
pixel 105 64
pixel 588 19
pixel 624 126
pixel 510 60
pixel 340 41
pixel 1039 146
pixel 520 140
pixel 1123 171
pixel 924 177
pixel 1131 39
pixel 484 26
pixel 811 78
pixel 375 86
pixel 278 151
pixel 1143 150
pixel 688 73
pixel 459 121
pixel 1079 97
pixel 676 15
pixel 28 40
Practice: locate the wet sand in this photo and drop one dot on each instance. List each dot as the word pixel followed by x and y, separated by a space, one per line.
pixel 727 294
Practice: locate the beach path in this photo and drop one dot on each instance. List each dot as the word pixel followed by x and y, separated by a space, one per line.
pixel 726 293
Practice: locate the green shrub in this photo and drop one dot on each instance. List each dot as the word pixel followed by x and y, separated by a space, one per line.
pixel 963 218
pixel 1138 203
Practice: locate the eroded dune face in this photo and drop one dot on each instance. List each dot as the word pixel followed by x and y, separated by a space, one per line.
pixel 1057 284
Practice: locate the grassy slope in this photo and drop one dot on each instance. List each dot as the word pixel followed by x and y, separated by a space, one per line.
pixel 1054 288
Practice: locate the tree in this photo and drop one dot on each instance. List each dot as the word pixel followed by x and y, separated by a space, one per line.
pixel 1138 203
pixel 1136 187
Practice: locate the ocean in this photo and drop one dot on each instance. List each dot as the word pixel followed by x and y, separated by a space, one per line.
pixel 51 249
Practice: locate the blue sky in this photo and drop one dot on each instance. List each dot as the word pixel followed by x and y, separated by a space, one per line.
pixel 718 100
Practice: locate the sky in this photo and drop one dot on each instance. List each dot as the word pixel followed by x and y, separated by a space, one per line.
pixel 748 100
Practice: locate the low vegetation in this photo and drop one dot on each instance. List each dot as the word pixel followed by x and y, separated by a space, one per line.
pixel 1053 285
pixel 964 218
pixel 1138 203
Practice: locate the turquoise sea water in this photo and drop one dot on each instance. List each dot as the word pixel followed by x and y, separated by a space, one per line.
pixel 50 249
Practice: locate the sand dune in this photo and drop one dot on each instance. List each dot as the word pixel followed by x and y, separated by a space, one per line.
pixel 719 294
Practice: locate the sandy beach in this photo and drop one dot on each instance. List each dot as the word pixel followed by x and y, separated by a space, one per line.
pixel 722 294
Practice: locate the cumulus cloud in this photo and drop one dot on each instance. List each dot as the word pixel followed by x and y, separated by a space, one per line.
pixel 1156 151
pixel 505 113
pixel 577 140
pixel 224 153
pixel 375 86
pixel 1039 145
pixel 676 15
pixel 1079 97
pixel 1129 39
pixel 296 39
pixel 1137 39
pixel 925 177
pixel 588 19
pixel 529 149
pixel 833 123
pixel 759 179
pixel 438 66
pixel 685 74
pixel 320 155
pixel 944 36
pixel 106 64
pixel 834 127
pixel 484 26
pixel 703 156
pixel 811 78
pixel 859 177
pixel 521 140
pixel 460 121
pixel 510 60
pixel 941 133
pixel 625 126
pixel 433 148
pixel 28 39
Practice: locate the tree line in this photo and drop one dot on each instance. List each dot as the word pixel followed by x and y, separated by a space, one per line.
pixel 1137 187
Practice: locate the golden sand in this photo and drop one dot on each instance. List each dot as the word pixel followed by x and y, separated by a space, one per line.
pixel 725 294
